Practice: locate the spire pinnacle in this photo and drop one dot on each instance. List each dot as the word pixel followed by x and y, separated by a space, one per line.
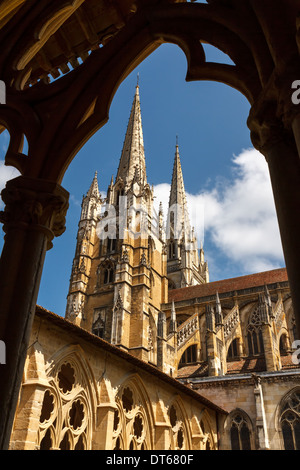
pixel 173 322
pixel 133 154
pixel 94 189
pixel 177 193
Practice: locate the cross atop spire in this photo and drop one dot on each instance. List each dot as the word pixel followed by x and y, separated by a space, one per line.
pixel 133 154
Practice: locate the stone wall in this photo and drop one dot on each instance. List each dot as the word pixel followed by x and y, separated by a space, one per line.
pixel 80 392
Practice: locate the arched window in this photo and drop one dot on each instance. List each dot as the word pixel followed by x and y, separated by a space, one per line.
pixel 98 327
pixel 283 344
pixel 290 421
pixel 119 193
pixel 255 340
pixel 189 355
pixel 233 349
pixel 171 249
pixel 240 435
pixel 105 273
pixel 254 334
pixel 111 245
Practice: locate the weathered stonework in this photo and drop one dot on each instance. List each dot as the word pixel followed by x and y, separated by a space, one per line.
pixel 152 355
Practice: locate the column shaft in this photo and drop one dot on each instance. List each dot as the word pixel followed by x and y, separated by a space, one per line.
pixel 284 167
pixel 34 213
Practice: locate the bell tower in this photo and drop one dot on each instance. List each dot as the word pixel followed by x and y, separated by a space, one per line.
pixel 87 240
pixel 126 282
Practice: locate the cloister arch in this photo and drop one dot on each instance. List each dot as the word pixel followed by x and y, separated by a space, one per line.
pixel 59 117
pixel 133 418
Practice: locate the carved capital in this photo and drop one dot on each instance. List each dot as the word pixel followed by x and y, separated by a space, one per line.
pixel 267 130
pixel 34 204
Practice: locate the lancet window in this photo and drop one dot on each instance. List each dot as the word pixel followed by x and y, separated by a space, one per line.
pixel 254 334
pixel 105 273
pixel 240 434
pixel 233 350
pixel 290 421
pixel 108 275
pixel 111 245
pixel 171 249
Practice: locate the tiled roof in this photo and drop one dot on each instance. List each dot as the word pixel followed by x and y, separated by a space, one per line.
pixel 193 370
pixel 246 365
pixel 250 364
pixel 229 285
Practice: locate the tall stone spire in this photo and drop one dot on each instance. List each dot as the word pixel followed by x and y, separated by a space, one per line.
pixel 183 256
pixel 86 239
pixel 132 163
pixel 177 193
pixel 91 203
pixel 94 188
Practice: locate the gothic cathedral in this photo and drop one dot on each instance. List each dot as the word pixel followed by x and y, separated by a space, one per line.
pixel 151 355
pixel 128 257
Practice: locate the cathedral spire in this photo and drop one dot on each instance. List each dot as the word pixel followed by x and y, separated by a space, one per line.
pixel 177 194
pixel 92 201
pixel 183 255
pixel 132 161
pixel 178 201
pixel 94 189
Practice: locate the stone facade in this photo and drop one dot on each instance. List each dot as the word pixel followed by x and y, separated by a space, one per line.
pixel 80 392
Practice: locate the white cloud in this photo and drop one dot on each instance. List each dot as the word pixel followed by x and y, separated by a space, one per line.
pixel 237 216
pixel 6 173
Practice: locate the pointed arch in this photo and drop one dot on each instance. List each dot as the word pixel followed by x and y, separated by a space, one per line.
pixel 134 416
pixel 206 428
pixel 188 354
pixel 180 433
pixel 70 401
pixel 239 430
pixel 287 419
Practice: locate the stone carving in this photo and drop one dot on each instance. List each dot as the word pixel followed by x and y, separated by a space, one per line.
pixel 231 321
pixel 186 330
pixel 35 203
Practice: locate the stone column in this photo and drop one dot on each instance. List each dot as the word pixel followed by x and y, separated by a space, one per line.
pixel 296 131
pixel 261 424
pixel 162 342
pixel 103 435
pixel 284 166
pixel 211 343
pixel 163 429
pixel 278 146
pixel 34 213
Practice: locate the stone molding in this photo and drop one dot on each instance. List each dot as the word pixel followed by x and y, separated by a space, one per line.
pixel 35 205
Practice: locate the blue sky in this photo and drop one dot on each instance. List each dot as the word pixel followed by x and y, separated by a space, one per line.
pixel 225 178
